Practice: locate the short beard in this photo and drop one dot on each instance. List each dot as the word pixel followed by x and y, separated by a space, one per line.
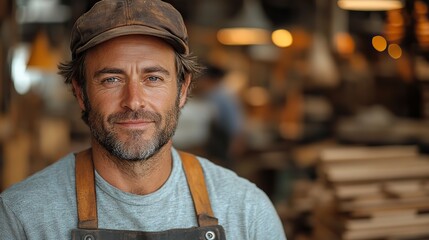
pixel 135 149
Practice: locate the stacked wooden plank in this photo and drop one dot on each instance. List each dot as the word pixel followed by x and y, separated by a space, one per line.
pixel 380 192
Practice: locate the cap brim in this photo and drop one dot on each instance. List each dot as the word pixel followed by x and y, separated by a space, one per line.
pixel 175 42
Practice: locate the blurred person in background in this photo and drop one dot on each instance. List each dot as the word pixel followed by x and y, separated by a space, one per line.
pixel 217 132
pixel 225 142
pixel 130 72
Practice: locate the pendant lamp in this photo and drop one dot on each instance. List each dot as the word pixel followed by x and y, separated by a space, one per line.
pixel 250 27
pixel 370 5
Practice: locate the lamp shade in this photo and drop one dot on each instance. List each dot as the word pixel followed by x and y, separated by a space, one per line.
pixel 41 55
pixel 370 5
pixel 249 27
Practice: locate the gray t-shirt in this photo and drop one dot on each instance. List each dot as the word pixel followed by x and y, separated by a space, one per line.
pixel 44 205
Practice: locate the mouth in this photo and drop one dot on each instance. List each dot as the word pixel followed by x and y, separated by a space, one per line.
pixel 134 123
pixel 137 120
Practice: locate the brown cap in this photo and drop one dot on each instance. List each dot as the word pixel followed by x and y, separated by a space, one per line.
pixel 108 19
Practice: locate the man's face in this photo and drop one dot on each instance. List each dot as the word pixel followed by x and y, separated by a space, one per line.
pixel 133 98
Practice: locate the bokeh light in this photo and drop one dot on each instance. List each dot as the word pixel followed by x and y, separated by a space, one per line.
pixel 394 51
pixel 282 38
pixel 379 43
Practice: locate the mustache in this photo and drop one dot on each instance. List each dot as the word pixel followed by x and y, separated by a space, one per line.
pixel 134 115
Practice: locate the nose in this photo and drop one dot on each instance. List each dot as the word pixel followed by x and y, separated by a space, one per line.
pixel 133 96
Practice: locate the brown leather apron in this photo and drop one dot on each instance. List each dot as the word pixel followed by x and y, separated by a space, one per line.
pixel 208 228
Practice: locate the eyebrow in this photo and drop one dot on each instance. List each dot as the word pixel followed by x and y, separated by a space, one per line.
pixel 107 71
pixel 156 69
pixel 120 71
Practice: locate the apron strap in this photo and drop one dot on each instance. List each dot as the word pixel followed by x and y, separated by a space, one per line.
pixel 87 202
pixel 197 186
pixel 85 191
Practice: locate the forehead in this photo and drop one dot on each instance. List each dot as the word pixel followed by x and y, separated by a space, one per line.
pixel 132 48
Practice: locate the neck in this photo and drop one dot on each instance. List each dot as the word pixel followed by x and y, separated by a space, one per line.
pixel 140 177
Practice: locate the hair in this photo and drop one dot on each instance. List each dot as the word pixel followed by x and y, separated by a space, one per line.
pixel 186 64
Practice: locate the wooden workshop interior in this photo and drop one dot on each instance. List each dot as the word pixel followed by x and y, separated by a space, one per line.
pixel 331 105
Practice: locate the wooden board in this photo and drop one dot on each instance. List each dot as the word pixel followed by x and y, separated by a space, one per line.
pixel 354 153
pixel 388 233
pixel 388 220
pixel 413 187
pixel 395 169
pixel 368 206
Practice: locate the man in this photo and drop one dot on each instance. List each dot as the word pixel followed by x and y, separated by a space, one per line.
pixel 130 72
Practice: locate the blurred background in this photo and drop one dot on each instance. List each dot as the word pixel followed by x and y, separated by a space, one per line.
pixel 324 104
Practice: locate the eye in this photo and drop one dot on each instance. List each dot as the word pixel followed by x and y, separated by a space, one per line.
pixel 110 80
pixel 154 79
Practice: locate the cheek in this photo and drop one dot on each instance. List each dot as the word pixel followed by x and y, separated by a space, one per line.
pixel 101 107
pixel 161 98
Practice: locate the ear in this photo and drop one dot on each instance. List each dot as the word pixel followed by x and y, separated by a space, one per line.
pixel 79 95
pixel 184 90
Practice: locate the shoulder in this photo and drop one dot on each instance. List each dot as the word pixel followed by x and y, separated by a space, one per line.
pixel 226 187
pixel 241 207
pixel 222 177
pixel 38 188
